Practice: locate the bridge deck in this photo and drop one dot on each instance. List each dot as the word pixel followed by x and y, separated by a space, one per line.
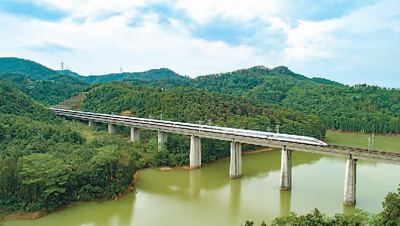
pixel 231 134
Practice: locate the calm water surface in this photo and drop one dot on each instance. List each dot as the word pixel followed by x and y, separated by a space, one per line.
pixel 208 197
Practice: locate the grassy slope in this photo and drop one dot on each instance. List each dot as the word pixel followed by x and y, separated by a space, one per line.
pixel 383 143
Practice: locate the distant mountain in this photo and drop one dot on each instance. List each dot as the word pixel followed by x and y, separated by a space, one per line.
pixel 154 74
pixel 326 81
pixel 50 91
pixel 286 72
pixel 68 72
pixel 269 85
pixel 39 82
pixel 27 67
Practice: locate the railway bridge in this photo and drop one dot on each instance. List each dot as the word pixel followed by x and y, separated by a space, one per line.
pixel 238 137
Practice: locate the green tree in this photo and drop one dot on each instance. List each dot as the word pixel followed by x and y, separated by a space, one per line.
pixel 45 178
pixel 391 209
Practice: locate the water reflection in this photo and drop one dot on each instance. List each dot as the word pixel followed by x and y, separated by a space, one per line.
pixel 195 183
pixel 285 198
pixel 215 177
pixel 349 210
pixel 236 186
pixel 273 162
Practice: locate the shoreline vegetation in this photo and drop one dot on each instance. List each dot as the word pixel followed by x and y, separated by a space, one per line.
pixel 38 214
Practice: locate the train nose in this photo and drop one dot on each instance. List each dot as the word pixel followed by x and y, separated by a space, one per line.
pixel 322 143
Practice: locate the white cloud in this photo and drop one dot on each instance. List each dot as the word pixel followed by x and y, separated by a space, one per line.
pixel 92 9
pixel 382 15
pixel 206 10
pixel 67 5
pixel 328 38
pixel 311 39
pixel 99 47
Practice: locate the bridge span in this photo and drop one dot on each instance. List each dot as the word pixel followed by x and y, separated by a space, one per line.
pixel 237 137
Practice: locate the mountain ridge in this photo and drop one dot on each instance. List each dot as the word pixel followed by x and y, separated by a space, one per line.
pixel 38 71
pixel 27 67
pixel 152 74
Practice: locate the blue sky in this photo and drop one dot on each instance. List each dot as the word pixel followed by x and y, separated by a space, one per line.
pixel 351 42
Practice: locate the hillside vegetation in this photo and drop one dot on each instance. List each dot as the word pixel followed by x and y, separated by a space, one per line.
pixel 26 67
pixel 359 108
pixel 154 74
pixel 47 162
pixel 39 82
pixel 193 105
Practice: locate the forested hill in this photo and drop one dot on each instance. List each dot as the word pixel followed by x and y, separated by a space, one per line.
pixel 33 70
pixel 39 82
pixel 154 74
pixel 192 105
pixel 14 102
pixel 50 91
pixel 359 108
pixel 46 162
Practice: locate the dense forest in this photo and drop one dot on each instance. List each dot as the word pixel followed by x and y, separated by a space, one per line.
pixel 193 105
pixel 48 92
pixel 197 106
pixel 47 162
pixel 39 82
pixel 359 108
pixel 12 65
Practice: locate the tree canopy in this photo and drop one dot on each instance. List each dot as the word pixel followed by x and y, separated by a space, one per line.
pixel 359 108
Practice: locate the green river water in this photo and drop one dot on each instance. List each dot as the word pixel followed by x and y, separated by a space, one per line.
pixel 207 196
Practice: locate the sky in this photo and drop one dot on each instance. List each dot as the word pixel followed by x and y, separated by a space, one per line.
pixel 352 42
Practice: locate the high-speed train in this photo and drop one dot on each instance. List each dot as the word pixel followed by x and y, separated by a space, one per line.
pixel 298 139
pixel 197 127
pixel 271 136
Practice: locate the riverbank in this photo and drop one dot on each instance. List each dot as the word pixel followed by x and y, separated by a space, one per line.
pixel 130 188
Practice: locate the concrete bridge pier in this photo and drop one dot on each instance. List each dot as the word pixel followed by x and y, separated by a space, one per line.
pixel 91 123
pixel 195 152
pixel 111 128
pixel 135 134
pixel 235 170
pixel 162 139
pixel 350 182
pixel 286 169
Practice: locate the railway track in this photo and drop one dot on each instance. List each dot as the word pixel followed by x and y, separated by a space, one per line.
pixel 230 134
